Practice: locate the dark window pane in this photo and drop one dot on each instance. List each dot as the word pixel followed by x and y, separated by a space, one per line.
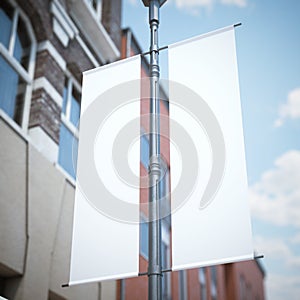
pixel 68 149
pixel 164 266
pixel 22 45
pixel 9 81
pixel 95 4
pixel 163 255
pixel 182 284
pixel 20 102
pixel 65 99
pixel 213 282
pixel 6 14
pixel 145 151
pixel 144 239
pixel 75 108
pixel 18 50
pixel 202 280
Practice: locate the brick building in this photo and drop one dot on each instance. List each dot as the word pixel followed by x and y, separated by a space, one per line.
pixel 242 280
pixel 45 45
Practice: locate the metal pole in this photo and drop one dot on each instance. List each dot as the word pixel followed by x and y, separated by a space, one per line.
pixel 154 266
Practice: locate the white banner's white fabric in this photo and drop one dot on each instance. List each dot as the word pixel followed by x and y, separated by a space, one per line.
pixel 105 243
pixel 210 214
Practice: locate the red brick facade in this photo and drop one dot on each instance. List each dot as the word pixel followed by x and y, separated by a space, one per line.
pixel 236 281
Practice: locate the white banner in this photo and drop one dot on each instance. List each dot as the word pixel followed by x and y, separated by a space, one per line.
pixel 105 241
pixel 210 220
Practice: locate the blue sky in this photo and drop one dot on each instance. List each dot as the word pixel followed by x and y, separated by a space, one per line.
pixel 268 50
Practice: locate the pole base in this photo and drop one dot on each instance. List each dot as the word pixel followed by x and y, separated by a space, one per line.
pixel 147 2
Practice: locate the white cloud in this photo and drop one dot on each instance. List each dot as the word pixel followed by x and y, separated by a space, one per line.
pixel 194 5
pixel 283 287
pixel 290 109
pixel 277 285
pixel 272 248
pixel 278 249
pixel 240 3
pixel 296 239
pixel 133 2
pixel 276 197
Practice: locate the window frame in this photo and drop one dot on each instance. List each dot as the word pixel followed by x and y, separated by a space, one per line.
pixel 144 222
pixel 214 282
pixel 8 55
pixel 96 11
pixel 203 283
pixel 65 119
pixel 182 285
pixel 166 258
pixel 144 149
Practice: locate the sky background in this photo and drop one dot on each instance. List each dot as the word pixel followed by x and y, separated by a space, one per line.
pixel 268 51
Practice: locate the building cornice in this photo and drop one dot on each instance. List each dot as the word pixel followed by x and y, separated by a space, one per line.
pixel 93 31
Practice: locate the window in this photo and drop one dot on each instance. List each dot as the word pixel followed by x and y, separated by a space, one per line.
pixel 96 6
pixel 17 54
pixel 165 262
pixel 165 204
pixel 144 234
pixel 213 287
pixel 242 284
pixel 245 289
pixel 182 285
pixel 145 151
pixel 165 210
pixel 68 137
pixel 202 281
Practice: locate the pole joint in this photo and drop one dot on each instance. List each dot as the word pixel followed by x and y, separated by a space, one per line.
pixel 155 71
pixel 154 48
pixel 155 270
pixel 154 166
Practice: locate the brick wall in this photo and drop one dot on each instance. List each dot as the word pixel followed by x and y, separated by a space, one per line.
pixel 45 113
pixel 47 67
pixel 111 18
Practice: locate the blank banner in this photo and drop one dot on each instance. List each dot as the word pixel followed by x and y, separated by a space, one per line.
pixel 105 242
pixel 209 193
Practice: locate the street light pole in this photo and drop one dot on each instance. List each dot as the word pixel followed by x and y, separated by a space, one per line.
pixel 154 266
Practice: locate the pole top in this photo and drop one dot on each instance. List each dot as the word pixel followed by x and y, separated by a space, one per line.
pixel 147 2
